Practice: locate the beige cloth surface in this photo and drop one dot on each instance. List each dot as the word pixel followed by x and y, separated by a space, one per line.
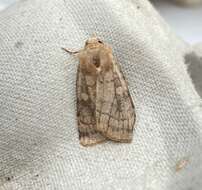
pixel 39 147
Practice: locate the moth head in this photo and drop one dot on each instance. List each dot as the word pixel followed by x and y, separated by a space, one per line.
pixel 93 41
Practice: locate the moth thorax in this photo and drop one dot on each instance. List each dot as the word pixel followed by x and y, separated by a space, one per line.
pixel 96 61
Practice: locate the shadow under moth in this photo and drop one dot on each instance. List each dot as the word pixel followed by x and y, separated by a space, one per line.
pixel 105 109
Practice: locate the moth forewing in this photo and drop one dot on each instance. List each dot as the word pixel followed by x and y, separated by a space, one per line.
pixel 115 116
pixel 86 110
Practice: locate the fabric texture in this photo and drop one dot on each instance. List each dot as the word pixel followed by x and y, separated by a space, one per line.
pixel 39 146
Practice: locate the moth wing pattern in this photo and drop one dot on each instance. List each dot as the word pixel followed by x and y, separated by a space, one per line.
pixel 86 110
pixel 115 114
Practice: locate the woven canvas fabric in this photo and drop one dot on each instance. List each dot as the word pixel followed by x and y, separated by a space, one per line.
pixel 39 146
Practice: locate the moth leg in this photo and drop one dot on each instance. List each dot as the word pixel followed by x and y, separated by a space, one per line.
pixel 70 51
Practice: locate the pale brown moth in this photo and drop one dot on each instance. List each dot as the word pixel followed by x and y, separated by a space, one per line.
pixel 105 109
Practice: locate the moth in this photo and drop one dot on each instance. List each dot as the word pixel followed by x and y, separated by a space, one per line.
pixel 105 109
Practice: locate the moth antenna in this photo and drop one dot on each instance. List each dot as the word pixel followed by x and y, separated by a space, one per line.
pixel 69 51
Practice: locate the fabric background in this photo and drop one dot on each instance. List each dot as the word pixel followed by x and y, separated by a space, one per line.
pixel 39 147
